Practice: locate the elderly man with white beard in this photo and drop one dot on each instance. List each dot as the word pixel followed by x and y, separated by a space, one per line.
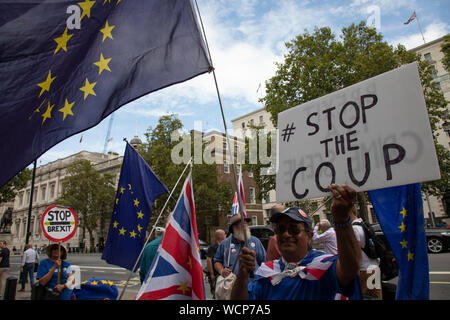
pixel 226 257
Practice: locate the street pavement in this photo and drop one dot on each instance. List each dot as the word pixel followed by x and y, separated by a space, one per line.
pixel 91 265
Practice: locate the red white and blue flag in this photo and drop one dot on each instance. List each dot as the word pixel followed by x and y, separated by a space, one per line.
pixel 176 272
pixel 235 206
pixel 312 271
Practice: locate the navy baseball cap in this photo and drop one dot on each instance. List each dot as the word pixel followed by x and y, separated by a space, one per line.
pixel 295 213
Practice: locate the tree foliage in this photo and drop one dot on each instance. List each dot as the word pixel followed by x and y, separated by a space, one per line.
pixel 9 190
pixel 318 63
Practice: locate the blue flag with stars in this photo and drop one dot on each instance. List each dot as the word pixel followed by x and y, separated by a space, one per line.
pixel 138 188
pixel 66 65
pixel 400 212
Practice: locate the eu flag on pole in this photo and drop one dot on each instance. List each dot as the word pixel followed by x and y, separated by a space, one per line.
pixel 176 271
pixel 66 65
pixel 138 188
pixel 400 212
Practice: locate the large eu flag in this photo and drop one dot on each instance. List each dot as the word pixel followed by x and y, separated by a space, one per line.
pixel 400 212
pixel 57 80
pixel 138 188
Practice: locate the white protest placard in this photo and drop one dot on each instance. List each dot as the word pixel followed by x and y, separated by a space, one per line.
pixel 371 135
pixel 59 223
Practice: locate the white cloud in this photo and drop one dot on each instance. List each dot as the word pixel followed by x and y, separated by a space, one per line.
pixel 432 31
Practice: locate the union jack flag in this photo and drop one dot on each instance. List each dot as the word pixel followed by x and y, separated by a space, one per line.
pixel 176 272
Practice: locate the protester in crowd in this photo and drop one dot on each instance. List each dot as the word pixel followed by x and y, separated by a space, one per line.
pixel 219 236
pixel 29 258
pixel 149 254
pixel 324 233
pixel 228 251
pixel 55 272
pixel 366 262
pixel 272 248
pixel 325 276
pixel 4 266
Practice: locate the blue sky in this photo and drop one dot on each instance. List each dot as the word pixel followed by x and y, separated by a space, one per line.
pixel 246 38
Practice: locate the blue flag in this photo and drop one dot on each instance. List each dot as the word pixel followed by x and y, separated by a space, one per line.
pixel 400 212
pixel 66 65
pixel 138 188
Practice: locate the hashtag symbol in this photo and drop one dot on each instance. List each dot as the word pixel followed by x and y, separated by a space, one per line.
pixel 288 132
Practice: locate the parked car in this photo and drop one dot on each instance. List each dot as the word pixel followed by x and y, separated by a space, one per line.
pixel 438 239
pixel 203 248
pixel 263 233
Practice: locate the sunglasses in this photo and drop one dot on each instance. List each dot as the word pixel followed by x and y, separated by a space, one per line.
pixel 292 229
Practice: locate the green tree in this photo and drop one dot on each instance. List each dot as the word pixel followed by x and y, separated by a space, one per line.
pixel 90 194
pixel 317 64
pixel 9 190
pixel 445 47
pixel 211 196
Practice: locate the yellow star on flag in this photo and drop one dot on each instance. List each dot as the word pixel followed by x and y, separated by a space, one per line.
pixel 86 6
pixel 139 228
pixel 118 2
pixel 94 283
pixel 88 88
pixel 140 215
pixel 189 263
pixel 183 287
pixel 122 231
pixel 115 224
pixel 403 212
pixel 62 41
pixel 133 234
pixel 67 109
pixel 102 64
pixel 136 202
pixel 402 227
pixel 122 189
pixel 410 255
pixel 48 113
pixel 46 84
pixel 404 244
pixel 107 31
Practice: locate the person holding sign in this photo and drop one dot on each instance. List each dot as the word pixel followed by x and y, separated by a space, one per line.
pixel 55 273
pixel 303 273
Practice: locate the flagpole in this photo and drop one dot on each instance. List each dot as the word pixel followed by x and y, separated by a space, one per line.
pixel 420 28
pixel 153 228
pixel 233 168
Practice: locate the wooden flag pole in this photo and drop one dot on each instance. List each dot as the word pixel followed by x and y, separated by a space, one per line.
pixel 153 228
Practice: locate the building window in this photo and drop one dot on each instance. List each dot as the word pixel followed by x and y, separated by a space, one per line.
pixel 43 190
pixel 252 122
pixel 254 220
pixel 250 174
pixel 52 191
pixel 243 125
pixel 433 72
pixel 239 168
pixel 261 119
pixel 252 195
pixel 427 57
pixel 224 144
pixel 35 194
pixel 226 167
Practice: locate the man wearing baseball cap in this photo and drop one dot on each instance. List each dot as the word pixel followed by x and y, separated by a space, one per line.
pixel 303 273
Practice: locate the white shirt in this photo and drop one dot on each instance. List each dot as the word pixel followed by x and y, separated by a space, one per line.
pixel 29 256
pixel 328 238
pixel 361 237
